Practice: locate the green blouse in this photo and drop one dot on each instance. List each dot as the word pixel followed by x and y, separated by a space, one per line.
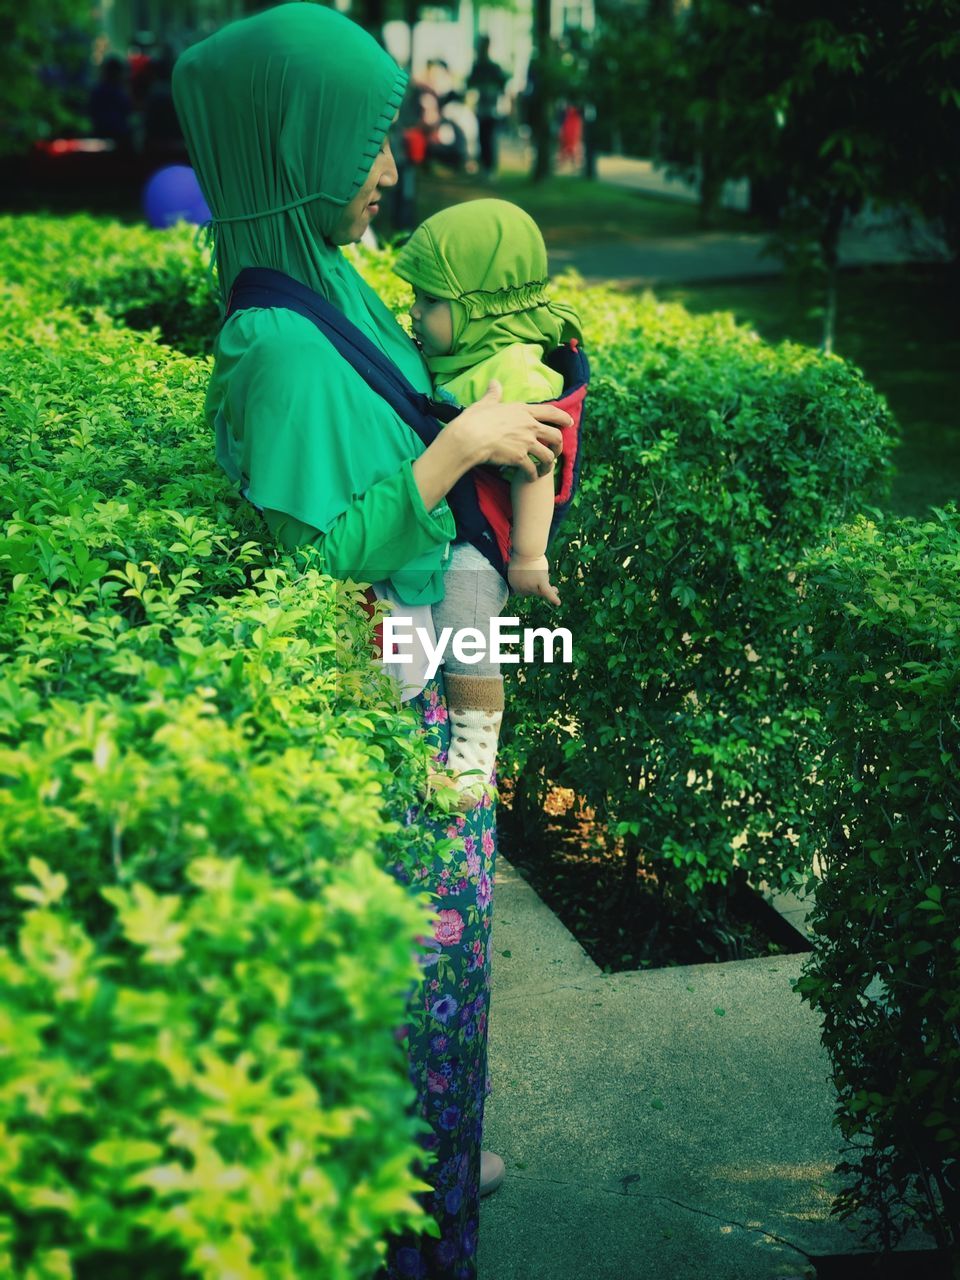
pixel 284 114
pixel 325 422
pixel 381 531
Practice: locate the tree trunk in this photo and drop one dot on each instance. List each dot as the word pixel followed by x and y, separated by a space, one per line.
pixel 411 14
pixel 829 246
pixel 372 14
pixel 627 894
pixel 829 310
pixel 589 141
pixel 540 103
pixel 711 187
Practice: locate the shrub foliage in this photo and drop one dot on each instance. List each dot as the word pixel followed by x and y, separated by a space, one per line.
pixel 200 763
pixel 207 774
pixel 211 1089
pixel 711 462
pixel 884 604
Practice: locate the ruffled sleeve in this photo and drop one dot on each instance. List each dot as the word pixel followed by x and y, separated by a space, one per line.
pixel 385 529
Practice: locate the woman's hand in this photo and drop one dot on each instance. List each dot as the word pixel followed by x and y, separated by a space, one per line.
pixel 508 434
pixel 504 434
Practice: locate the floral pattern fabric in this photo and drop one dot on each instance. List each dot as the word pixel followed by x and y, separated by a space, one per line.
pixel 447 1028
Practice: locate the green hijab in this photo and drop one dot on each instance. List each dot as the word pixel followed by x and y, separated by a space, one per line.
pixel 284 114
pixel 488 258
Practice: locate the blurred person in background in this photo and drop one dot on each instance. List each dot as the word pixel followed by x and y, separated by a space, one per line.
pixel 447 125
pixel 110 105
pixel 453 109
pixel 162 134
pixel 141 67
pixel 570 138
pixel 489 80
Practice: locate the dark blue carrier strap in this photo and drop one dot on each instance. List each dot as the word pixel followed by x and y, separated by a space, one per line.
pixel 264 287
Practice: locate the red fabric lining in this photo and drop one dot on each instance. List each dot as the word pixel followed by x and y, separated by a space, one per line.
pixel 493 491
pixel 493 494
pixel 369 600
pixel 573 404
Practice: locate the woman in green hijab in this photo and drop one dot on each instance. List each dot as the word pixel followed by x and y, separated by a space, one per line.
pixel 286 117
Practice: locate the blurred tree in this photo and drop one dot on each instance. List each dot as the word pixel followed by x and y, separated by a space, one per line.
pixel 371 14
pixel 40 76
pixel 821 106
pixel 560 70
pixel 629 66
pixel 542 91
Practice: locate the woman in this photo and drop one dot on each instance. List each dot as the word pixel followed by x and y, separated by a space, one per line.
pixel 286 116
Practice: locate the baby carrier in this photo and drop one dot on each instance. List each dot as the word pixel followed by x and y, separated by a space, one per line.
pixel 480 500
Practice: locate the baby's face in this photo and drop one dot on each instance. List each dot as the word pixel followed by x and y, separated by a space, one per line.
pixel 432 323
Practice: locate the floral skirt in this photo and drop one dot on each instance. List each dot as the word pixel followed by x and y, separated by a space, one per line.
pixel 447 1030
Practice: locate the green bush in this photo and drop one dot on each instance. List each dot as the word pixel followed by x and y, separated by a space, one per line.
pixel 130 571
pixel 145 279
pixel 884 604
pixel 711 462
pixel 215 1089
pixel 173 692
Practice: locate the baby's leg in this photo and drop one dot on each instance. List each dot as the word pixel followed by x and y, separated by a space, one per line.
pixel 473 594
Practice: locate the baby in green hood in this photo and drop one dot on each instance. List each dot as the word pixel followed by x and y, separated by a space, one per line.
pixel 481 314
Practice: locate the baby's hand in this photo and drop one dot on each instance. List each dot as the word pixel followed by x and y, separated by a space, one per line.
pixel 530 576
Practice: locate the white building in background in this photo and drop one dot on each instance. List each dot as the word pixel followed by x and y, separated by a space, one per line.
pixel 444 33
pixel 451 35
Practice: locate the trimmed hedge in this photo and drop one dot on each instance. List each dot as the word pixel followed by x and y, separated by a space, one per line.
pixel 884 604
pixel 144 279
pixel 159 282
pixel 189 707
pixel 711 464
pixel 192 731
pixel 210 1088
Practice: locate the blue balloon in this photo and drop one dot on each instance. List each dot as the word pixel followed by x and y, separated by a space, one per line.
pixel 173 195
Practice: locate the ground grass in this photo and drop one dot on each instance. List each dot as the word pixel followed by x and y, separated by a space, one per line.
pixel 571 211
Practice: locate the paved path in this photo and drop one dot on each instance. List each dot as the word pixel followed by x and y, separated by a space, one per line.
pixel 641 175
pixel 679 260
pixel 723 255
pixel 646 1135
pixel 713 255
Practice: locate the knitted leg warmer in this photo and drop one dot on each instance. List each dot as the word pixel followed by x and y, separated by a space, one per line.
pixel 475 705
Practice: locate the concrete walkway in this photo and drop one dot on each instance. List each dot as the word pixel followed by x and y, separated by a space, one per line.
pixel 724 255
pixel 647 1135
pixel 641 175
pixel 875 238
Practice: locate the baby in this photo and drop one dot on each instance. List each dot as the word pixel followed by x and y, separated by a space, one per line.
pixel 481 313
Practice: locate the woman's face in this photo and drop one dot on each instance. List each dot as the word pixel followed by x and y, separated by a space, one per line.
pixel 356 216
